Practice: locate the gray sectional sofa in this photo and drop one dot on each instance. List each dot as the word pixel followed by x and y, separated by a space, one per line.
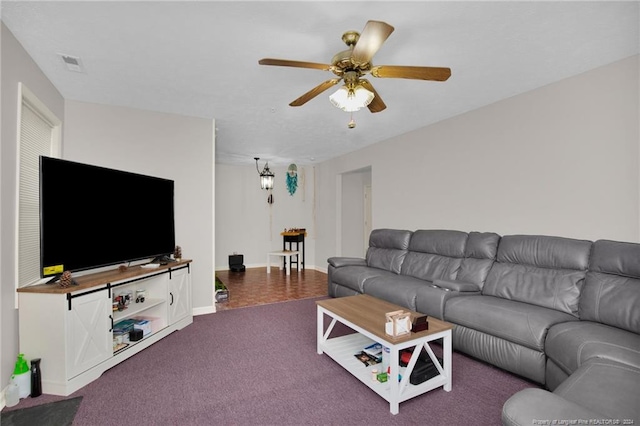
pixel 564 313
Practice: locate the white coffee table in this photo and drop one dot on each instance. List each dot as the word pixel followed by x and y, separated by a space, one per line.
pixel 366 315
pixel 285 255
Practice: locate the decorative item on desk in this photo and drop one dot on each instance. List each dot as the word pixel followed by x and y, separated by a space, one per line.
pixel 66 280
pixel 177 253
pixel 294 231
pixel 398 323
pixel 419 323
pixel 122 268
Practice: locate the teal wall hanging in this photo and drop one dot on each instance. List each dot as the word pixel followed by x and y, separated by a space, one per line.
pixel 292 179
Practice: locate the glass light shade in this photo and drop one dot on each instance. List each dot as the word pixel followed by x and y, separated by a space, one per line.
pixel 350 100
pixel 266 180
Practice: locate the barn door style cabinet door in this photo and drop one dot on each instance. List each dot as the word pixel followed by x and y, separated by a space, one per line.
pixel 179 295
pixel 89 338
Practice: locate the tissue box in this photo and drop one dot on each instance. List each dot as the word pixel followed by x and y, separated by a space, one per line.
pixel 398 323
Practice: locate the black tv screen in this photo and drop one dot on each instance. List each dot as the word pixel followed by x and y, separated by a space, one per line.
pixel 94 216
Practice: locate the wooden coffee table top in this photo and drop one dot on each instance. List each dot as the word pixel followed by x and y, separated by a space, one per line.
pixel 369 312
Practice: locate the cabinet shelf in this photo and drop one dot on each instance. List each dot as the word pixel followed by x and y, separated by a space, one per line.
pixel 136 308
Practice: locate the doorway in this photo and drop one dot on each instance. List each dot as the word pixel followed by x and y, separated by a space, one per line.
pixel 356 216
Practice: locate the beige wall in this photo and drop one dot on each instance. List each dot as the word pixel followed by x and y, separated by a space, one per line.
pixel 165 145
pixel 246 224
pixel 17 67
pixel 560 160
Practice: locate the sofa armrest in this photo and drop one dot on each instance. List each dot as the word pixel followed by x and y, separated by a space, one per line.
pixel 338 262
pixel 537 406
pixel 459 286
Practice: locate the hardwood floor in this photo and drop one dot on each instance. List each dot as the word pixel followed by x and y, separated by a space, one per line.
pixel 256 287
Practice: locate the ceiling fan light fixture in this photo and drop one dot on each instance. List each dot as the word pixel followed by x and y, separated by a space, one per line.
pixel 351 100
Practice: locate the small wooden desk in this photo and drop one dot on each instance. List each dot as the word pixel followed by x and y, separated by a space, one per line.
pixel 284 254
pixel 294 238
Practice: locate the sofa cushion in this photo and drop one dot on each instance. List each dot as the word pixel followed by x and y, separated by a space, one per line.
pixel 479 255
pixel 502 353
pixel 611 294
pixel 541 270
pixel 538 406
pixel 520 323
pixel 570 345
pixel 398 289
pixel 354 277
pixel 606 387
pixel 387 249
pixel 544 251
pixel 434 254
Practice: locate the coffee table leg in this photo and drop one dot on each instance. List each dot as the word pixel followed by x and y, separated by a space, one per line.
pixel 394 384
pixel 319 329
pixel 446 359
pixel 268 264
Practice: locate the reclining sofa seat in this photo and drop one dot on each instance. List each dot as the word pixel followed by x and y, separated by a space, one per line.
pixel 432 254
pixel 609 325
pixel 417 270
pixel 386 252
pixel 534 284
pixel 593 365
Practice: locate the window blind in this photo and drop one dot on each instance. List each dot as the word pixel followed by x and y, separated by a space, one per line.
pixel 36 138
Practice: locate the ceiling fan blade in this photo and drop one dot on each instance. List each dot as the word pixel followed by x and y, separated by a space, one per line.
pixel 315 92
pixel 374 34
pixel 297 64
pixel 416 73
pixel 376 104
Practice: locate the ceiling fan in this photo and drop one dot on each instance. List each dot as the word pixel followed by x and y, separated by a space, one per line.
pixel 352 64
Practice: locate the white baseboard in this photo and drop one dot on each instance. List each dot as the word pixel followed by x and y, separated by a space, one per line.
pixel 204 310
pixel 264 265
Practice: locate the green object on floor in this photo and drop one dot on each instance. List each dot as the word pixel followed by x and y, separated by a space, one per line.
pixel 220 285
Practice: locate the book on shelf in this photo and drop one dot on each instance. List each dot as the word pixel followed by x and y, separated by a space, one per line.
pixel 367 359
pixel 374 349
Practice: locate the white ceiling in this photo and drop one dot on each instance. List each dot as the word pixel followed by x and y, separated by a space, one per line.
pixel 200 58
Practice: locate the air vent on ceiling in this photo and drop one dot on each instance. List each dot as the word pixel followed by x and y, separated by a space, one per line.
pixel 73 63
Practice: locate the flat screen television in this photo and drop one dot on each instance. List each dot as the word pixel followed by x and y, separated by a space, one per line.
pixel 93 216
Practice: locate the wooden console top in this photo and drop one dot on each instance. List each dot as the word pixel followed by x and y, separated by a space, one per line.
pixel 100 278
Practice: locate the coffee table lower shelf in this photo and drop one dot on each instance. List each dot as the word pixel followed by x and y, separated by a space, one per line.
pixel 342 350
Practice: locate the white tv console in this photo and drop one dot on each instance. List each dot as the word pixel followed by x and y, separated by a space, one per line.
pixel 71 329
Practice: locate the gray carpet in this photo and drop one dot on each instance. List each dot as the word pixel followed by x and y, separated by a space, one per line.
pixel 59 413
pixel 259 366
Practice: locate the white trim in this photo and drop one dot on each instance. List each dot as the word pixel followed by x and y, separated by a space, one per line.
pixel 204 310
pixel 27 98
pixel 213 212
pixel 338 249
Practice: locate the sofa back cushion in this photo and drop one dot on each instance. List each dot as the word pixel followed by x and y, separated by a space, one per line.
pixel 611 293
pixel 540 270
pixel 388 248
pixel 479 255
pixel 435 254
